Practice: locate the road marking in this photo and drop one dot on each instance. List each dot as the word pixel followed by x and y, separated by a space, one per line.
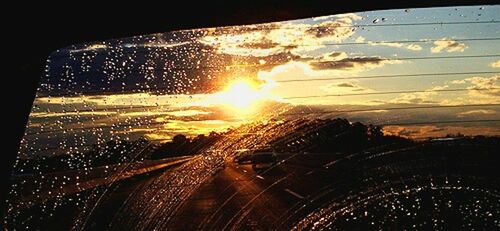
pixel 294 193
pixel 260 177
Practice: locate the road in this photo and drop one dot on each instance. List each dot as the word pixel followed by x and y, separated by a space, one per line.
pixel 70 182
pixel 379 188
pixel 368 189
pixel 242 198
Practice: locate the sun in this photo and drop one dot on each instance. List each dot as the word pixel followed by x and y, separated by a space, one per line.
pixel 240 94
pixel 243 97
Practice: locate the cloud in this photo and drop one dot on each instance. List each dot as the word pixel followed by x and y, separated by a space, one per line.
pixel 495 64
pixel 425 97
pixel 141 65
pixel 360 39
pixel 344 87
pixel 98 47
pixel 479 90
pixel 262 44
pixel 72 113
pixel 336 30
pixel 181 71
pixel 333 56
pixel 340 61
pixel 425 131
pixel 132 99
pixel 328 64
pixel 267 39
pixel 482 83
pixel 188 112
pixel 303 70
pixel 447 45
pixel 352 16
pixel 412 47
pixel 250 43
pixel 476 112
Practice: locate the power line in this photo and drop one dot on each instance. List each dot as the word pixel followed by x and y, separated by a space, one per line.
pixel 392 109
pixel 391 92
pixel 298 113
pixel 327 112
pixel 447 57
pixel 111 109
pixel 441 122
pixel 399 41
pixel 353 59
pixel 387 76
pixel 378 43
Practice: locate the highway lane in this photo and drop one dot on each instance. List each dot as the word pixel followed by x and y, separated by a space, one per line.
pixel 241 198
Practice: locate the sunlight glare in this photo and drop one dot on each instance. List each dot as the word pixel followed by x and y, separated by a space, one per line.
pixel 240 94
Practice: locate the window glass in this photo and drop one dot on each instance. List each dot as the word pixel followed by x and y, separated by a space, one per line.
pixel 177 108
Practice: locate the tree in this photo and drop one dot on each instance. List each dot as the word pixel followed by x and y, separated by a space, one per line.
pixel 179 139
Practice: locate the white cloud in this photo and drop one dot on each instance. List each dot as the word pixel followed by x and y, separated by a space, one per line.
pixel 478 90
pixel 282 37
pixel 447 45
pixel 360 39
pixel 486 89
pixel 352 16
pixel 425 97
pixel 303 70
pixel 412 47
pixel 495 64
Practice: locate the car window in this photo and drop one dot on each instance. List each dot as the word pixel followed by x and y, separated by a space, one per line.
pixel 130 133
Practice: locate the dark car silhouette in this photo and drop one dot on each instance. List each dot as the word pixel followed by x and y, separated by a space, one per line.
pixel 258 159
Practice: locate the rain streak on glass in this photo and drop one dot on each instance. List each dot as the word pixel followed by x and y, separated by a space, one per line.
pixel 354 121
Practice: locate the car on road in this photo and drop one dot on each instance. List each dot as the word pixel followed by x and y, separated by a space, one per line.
pixel 258 159
pixel 241 155
pixel 264 160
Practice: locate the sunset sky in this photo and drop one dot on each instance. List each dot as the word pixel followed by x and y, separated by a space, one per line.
pixel 196 81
